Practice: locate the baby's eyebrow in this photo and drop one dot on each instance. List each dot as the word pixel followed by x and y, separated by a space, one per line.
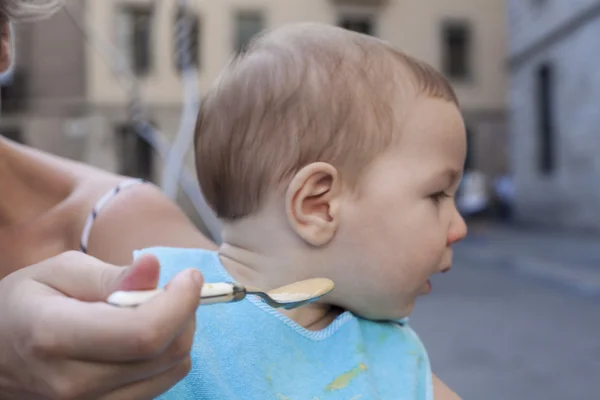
pixel 452 175
pixel 446 177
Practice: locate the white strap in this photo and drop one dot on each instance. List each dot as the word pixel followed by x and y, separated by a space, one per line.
pixel 85 235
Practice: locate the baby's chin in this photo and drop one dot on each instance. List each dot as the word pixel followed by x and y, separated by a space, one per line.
pixel 386 314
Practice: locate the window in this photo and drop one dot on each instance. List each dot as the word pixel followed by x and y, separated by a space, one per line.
pixel 191 31
pixel 13 94
pixel 133 27
pixel 546 129
pixel 469 160
pixel 456 47
pixel 358 23
pixel 12 133
pixel 135 154
pixel 248 24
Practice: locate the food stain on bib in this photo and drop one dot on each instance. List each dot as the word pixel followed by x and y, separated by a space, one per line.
pixel 344 380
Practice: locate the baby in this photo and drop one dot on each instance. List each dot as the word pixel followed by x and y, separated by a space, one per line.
pixel 325 153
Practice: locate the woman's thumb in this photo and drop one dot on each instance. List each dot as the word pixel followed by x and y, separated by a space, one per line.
pixel 143 274
pixel 86 278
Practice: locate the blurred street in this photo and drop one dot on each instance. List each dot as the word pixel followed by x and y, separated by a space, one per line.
pixel 517 317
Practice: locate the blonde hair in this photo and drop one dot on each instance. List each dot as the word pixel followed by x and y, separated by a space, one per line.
pixel 301 94
pixel 26 10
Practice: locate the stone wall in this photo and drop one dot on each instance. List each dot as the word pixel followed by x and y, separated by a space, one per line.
pixel 568 197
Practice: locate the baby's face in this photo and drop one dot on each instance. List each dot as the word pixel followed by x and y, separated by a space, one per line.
pixel 400 230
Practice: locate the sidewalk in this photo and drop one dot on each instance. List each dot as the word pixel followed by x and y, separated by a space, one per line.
pixel 570 259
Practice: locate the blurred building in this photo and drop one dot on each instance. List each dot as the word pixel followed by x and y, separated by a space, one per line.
pixel 554 118
pixel 45 94
pixel 67 100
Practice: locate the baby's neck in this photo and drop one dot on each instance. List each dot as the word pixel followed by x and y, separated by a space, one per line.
pixel 266 273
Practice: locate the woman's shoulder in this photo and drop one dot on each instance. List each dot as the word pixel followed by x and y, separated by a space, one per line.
pixel 132 216
pixel 119 214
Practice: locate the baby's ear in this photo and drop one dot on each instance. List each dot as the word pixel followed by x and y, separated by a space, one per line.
pixel 312 203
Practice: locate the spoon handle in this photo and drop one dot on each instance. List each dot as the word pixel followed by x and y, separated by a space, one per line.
pixel 212 293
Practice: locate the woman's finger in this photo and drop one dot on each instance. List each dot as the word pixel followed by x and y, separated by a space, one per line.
pixel 74 379
pixel 99 332
pixel 151 388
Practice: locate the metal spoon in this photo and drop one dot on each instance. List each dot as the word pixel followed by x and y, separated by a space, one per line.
pixel 291 296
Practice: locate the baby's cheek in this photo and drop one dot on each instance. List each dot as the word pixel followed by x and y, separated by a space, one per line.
pixel 394 282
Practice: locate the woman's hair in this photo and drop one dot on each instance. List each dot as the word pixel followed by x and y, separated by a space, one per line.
pixel 25 10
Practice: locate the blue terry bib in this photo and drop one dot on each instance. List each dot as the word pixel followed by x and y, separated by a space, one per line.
pixel 250 351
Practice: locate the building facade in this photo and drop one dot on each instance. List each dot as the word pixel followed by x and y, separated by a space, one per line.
pixel 465 39
pixel 45 95
pixel 554 118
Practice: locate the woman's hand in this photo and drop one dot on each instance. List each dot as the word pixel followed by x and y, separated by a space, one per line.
pixel 59 340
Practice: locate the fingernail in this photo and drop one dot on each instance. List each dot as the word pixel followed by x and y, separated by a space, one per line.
pixel 197 277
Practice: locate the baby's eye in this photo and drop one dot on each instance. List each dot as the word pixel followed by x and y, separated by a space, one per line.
pixel 439 196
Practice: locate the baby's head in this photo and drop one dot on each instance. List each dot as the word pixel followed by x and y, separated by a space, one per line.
pixel 332 154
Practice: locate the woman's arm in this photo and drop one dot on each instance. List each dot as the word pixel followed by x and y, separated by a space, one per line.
pixel 141 216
